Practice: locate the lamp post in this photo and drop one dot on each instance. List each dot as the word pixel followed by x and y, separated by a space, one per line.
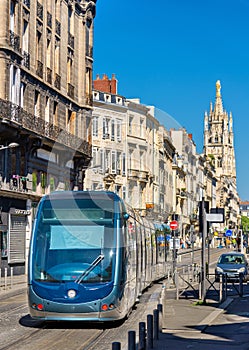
pixel 11 145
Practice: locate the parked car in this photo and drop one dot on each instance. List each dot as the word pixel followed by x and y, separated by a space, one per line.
pixel 232 264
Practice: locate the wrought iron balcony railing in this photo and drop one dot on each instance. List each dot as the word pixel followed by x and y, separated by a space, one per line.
pixel 39 126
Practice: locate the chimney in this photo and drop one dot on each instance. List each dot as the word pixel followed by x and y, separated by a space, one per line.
pixel 105 84
pixel 114 84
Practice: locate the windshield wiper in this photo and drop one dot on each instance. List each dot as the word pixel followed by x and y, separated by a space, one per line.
pixel 89 269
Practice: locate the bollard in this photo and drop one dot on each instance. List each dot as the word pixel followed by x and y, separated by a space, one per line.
pixel 241 278
pixel 150 331
pixel 131 340
pixel 160 310
pixel 142 336
pixel 5 278
pixel 11 277
pixel 116 346
pixel 156 324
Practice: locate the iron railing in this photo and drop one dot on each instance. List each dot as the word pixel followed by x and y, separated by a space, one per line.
pixel 39 126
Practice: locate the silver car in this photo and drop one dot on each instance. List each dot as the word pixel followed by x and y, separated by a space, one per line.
pixel 232 264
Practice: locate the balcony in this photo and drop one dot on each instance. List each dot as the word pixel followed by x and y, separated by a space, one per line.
pixel 143 175
pixel 133 174
pixel 20 184
pixel 22 119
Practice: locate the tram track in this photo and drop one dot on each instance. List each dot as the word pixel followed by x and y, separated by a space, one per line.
pixel 19 331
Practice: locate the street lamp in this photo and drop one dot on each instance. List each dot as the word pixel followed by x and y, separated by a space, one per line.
pixel 11 145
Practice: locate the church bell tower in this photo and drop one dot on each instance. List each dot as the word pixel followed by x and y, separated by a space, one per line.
pixel 219 138
pixel 219 150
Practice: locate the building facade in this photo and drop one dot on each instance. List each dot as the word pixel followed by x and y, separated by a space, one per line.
pixel 132 152
pixel 45 108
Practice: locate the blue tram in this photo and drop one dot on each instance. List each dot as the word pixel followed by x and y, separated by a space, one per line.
pixel 90 257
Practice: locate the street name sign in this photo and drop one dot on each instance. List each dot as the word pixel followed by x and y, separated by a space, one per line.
pixel 214 217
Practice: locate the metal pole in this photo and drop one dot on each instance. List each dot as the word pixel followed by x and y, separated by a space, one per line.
pixel 204 235
pixel 174 255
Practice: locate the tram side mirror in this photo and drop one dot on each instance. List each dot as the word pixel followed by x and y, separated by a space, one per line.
pixel 126 216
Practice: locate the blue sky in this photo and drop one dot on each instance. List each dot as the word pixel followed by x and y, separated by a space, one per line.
pixel 170 53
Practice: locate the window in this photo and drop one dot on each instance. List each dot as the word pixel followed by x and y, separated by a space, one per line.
pixel 22 94
pixel 57 56
pixel 113 162
pixel 123 164
pixel 13 7
pixel 55 113
pixel 95 126
pixel 119 130
pixel 37 104
pixel 113 130
pixel 25 37
pixel 47 109
pixel 71 122
pixel 119 163
pixel 14 84
pixel 130 125
pixel 106 123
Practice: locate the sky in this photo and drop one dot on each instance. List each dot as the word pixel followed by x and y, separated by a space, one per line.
pixel 170 53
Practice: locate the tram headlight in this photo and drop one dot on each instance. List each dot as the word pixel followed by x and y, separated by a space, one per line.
pixel 71 293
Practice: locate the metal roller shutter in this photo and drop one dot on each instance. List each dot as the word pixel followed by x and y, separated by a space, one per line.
pixel 17 236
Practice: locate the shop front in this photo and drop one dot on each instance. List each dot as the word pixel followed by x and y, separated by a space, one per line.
pixel 15 230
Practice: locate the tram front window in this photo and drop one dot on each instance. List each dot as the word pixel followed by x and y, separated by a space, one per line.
pixel 74 245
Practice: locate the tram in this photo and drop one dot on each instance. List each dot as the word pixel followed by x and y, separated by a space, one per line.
pixel 91 257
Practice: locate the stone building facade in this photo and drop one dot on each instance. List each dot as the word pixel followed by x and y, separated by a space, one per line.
pixel 132 152
pixel 45 108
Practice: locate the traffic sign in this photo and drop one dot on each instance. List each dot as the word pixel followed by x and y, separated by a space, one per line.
pixel 228 233
pixel 173 225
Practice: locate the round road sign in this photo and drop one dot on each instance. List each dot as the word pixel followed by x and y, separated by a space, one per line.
pixel 173 225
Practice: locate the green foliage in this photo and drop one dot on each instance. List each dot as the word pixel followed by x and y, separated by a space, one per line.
pixel 245 223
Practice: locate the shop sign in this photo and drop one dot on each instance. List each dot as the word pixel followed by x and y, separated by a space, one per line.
pixel 15 211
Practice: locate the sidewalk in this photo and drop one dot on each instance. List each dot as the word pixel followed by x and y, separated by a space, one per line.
pixel 188 324
pixel 12 284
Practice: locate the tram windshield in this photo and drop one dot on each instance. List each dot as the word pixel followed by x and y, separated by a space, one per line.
pixel 74 241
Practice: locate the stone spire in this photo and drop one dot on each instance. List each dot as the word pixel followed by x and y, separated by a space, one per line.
pixel 218 108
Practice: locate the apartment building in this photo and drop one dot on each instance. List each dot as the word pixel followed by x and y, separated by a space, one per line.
pixel 46 106
pixel 132 152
